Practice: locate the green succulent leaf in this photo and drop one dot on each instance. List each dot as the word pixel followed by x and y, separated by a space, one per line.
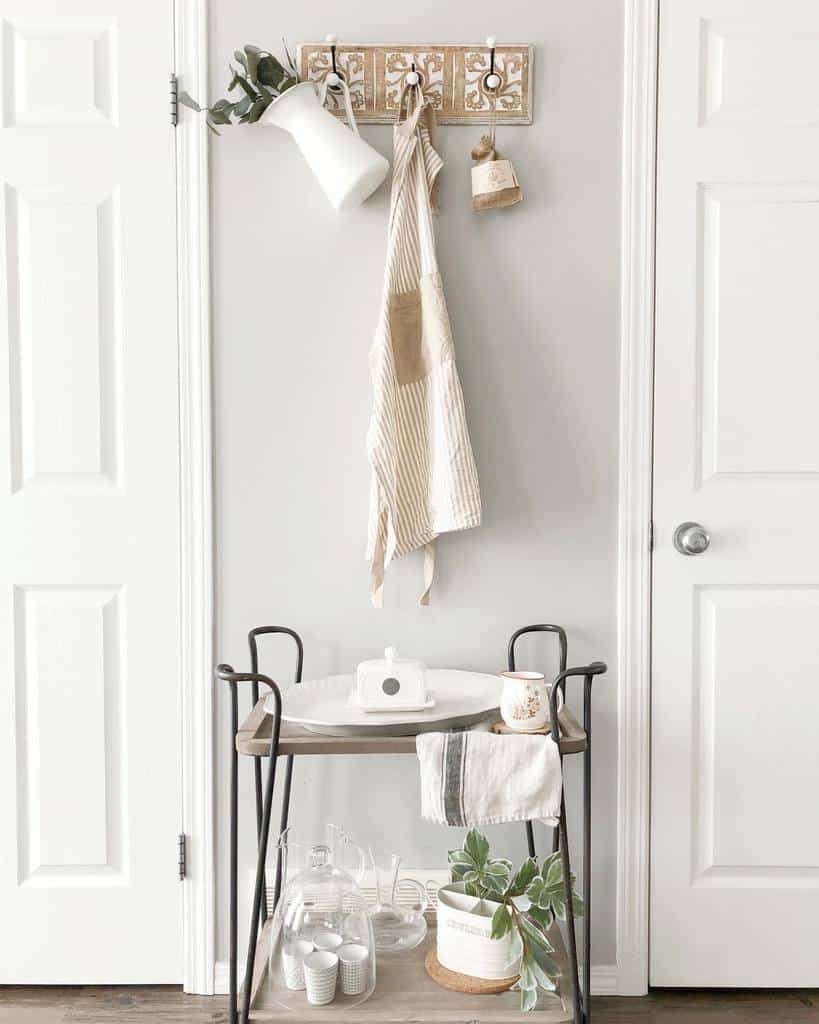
pixel 525 873
pixel 460 857
pixel 501 922
pixel 477 846
pixel 528 999
pixel 494 884
pixel 498 868
pixel 515 948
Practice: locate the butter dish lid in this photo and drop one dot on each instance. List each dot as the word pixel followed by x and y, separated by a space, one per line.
pixel 391 659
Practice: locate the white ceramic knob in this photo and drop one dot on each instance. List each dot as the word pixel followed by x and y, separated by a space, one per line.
pixel 492 81
pixel 490 41
pixel 333 79
pixel 331 39
pixel 390 653
pixel 413 78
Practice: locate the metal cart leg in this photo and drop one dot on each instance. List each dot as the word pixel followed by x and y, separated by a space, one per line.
pixel 234 838
pixel 252 639
pixel 587 684
pixel 288 779
pixel 567 882
pixel 530 839
pixel 262 854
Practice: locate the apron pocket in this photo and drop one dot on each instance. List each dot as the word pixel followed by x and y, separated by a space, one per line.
pixel 419 330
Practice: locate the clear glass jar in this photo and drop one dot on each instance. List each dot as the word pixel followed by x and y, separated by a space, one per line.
pixel 322 950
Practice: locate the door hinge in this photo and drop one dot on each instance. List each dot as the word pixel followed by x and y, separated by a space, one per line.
pixel 651 535
pixel 174 100
pixel 182 855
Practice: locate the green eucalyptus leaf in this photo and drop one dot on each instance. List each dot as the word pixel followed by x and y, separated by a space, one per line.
pixel 241 58
pixel 188 101
pixel 242 106
pixel 252 54
pixel 219 116
pixel 501 922
pixel 249 91
pixel 258 108
pixel 270 72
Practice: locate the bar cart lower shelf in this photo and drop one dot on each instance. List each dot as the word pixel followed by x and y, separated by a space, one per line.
pixel 405 994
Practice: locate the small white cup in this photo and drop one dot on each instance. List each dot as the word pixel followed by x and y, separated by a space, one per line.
pixel 354 968
pixel 293 955
pixel 327 940
pixel 320 974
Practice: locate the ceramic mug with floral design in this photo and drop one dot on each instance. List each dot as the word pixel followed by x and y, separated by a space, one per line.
pixel 524 702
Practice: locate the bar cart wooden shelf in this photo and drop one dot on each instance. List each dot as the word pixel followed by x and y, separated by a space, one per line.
pixel 404 992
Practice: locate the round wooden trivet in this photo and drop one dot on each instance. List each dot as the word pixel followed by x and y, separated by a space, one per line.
pixel 503 729
pixel 463 982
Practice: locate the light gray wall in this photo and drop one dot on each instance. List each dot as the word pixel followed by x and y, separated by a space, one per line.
pixel 533 295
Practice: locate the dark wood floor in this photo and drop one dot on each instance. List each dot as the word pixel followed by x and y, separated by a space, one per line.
pixel 157 1005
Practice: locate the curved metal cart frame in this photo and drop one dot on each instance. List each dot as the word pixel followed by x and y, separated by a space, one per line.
pixel 263 735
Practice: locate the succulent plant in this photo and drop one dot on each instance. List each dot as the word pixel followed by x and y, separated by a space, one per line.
pixel 260 78
pixel 530 899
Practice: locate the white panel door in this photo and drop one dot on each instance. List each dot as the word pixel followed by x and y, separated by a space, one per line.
pixel 735 785
pixel 89 507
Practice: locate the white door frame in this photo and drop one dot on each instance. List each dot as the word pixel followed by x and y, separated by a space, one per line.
pixel 634 568
pixel 196 502
pixel 634 528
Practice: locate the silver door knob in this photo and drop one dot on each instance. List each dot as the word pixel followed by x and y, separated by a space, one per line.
pixel 691 539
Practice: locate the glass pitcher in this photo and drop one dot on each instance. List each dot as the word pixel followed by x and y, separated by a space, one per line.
pixel 396 928
pixel 321 916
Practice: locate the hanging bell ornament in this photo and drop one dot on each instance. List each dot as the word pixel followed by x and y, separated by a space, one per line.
pixel 494 182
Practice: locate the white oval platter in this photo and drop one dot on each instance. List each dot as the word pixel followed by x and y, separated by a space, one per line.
pixel 323 705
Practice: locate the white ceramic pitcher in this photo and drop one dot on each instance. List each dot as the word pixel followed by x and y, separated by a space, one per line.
pixel 347 168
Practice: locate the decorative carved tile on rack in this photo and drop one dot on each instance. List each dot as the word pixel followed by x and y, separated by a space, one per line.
pixel 452 78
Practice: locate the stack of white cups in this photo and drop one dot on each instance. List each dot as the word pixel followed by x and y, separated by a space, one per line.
pixel 320 974
pixel 315 965
pixel 354 968
pixel 293 955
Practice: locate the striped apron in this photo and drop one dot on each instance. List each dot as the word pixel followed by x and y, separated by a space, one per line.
pixel 424 480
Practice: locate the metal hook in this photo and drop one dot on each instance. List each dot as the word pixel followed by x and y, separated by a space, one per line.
pixel 333 77
pixel 492 80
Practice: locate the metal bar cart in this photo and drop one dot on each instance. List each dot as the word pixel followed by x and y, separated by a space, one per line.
pixel 265 735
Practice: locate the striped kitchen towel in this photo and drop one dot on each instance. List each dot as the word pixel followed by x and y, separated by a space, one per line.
pixel 478 778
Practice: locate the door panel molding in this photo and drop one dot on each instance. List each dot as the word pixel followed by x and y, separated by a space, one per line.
pixel 196 500
pixel 634 560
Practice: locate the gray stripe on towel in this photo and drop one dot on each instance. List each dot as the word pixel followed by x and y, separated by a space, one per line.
pixel 453 777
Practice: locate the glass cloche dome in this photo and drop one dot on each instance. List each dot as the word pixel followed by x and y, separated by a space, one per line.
pixel 322 951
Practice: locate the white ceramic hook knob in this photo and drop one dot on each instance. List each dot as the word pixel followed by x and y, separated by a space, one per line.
pixel 413 78
pixel 492 81
pixel 333 79
pixel 331 39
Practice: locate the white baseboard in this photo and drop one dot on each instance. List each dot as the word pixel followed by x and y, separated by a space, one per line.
pixel 603 981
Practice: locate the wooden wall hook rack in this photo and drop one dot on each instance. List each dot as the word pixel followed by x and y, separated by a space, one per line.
pixel 452 79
